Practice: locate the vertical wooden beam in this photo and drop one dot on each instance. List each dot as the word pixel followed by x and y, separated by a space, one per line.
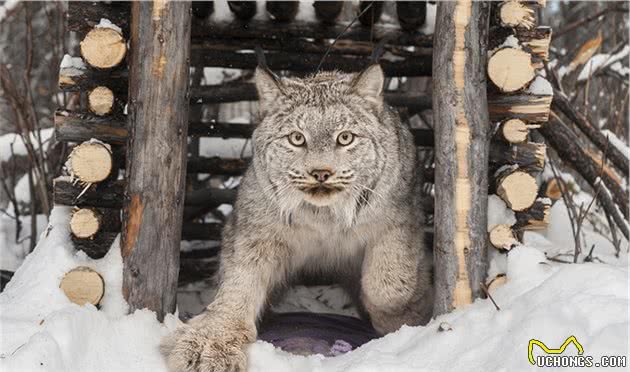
pixel 156 153
pixel 462 134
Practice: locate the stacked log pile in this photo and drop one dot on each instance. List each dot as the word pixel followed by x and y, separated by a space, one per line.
pixel 519 99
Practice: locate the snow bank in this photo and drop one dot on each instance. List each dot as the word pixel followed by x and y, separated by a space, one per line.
pixel 43 331
pixel 12 144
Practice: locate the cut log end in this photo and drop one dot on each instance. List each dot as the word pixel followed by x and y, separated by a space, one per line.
pixel 103 48
pixel 496 282
pixel 514 131
pixel 85 223
pixel 511 69
pixel 518 190
pixel 553 191
pixel 90 162
pixel 502 237
pixel 514 13
pixel 101 100
pixel 83 285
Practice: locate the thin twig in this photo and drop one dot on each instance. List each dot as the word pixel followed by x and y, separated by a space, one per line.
pixel 485 290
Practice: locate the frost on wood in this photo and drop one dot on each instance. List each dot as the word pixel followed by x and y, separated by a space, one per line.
pixel 103 47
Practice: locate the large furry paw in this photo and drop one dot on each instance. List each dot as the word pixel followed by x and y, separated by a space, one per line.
pixel 204 348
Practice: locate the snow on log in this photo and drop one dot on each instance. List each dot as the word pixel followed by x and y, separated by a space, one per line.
pixel 534 218
pixel 511 69
pixel 90 162
pixel 518 13
pixel 461 149
pixel 517 188
pixel 101 100
pixel 502 237
pixel 103 47
pixel 83 285
pixel 85 223
pixel 156 154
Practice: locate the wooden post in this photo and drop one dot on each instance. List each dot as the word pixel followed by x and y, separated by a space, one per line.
pixel 156 153
pixel 462 135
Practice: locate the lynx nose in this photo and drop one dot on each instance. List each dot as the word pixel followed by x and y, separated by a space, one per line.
pixel 321 175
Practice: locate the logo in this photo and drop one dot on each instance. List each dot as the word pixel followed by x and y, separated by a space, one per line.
pixel 555 359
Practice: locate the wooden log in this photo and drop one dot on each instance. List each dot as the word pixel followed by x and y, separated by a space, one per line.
pixel 235 92
pixel 511 69
pixel 282 11
pixel 562 104
pixel 72 79
pixel 90 162
pixel 101 100
pixel 534 218
pixel 502 237
pixel 102 195
pixel 85 223
pixel 216 165
pixel 411 14
pixel 530 108
pixel 156 154
pixel 517 13
pixel 103 48
pixel 514 131
pixel 80 126
pixel 327 11
pixel 553 190
pixel 261 30
pixel 536 40
pixel 372 15
pixel 461 152
pixel 517 188
pixel 243 10
pixel 83 285
pixel 202 9
pixel 306 62
pixel 530 156
pixel 611 195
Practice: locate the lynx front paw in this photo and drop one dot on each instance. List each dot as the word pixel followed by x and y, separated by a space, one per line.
pixel 206 349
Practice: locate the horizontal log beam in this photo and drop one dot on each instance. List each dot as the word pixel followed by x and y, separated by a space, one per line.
pixel 81 126
pixel 308 62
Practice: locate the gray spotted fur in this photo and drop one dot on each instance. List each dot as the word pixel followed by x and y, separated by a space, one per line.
pixel 369 233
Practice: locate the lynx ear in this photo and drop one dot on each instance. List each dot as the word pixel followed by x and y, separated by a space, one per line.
pixel 369 84
pixel 268 86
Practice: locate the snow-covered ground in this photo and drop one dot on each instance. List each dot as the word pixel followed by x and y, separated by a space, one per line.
pixel 544 300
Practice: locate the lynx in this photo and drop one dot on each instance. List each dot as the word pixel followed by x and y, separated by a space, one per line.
pixel 333 189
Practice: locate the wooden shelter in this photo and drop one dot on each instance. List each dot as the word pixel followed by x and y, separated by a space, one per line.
pixel 489 94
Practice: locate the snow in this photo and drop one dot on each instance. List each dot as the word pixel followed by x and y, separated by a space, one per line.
pixel 618 143
pixel 540 86
pixel 429 23
pixel 511 42
pixel 603 60
pixel 12 143
pixel 7 7
pixel 72 66
pixel 106 23
pixel 549 301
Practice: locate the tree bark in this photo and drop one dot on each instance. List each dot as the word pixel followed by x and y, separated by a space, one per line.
pixel 156 154
pixel 462 137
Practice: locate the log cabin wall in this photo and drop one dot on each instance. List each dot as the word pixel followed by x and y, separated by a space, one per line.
pixel 517 104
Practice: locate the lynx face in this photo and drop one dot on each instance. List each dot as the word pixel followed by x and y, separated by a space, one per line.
pixel 320 140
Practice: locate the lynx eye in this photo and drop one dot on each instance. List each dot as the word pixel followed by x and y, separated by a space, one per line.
pixel 345 138
pixel 297 139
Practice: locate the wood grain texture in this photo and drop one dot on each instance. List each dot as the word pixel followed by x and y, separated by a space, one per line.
pixel 461 148
pixel 156 154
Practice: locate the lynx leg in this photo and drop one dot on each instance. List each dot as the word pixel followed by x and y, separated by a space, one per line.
pixel 396 281
pixel 214 340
